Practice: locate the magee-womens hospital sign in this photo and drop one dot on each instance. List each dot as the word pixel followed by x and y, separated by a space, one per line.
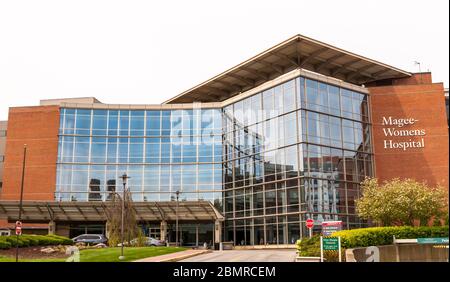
pixel 400 133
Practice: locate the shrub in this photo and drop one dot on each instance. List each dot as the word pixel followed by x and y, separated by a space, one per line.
pixel 377 236
pixel 310 247
pixel 4 244
pixel 33 240
pixel 365 237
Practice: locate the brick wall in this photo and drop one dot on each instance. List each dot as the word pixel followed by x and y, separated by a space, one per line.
pixel 38 128
pixel 423 101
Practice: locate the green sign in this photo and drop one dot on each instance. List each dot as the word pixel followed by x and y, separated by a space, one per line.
pixel 330 244
pixel 432 240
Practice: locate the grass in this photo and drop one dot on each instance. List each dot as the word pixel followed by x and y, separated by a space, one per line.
pixel 108 254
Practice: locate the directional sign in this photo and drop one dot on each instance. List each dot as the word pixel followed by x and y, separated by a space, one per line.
pixel 330 244
pixel 432 240
pixel 329 227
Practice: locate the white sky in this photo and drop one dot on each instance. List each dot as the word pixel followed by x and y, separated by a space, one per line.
pixel 144 52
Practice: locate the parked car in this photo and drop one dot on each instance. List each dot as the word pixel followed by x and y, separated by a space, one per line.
pixel 148 241
pixel 90 239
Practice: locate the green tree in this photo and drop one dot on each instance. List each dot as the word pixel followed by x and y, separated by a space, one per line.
pixel 401 202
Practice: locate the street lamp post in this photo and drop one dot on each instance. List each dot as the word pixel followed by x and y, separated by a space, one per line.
pixel 21 198
pixel 124 181
pixel 176 218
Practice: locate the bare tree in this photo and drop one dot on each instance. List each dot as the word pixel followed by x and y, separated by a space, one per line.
pixel 113 214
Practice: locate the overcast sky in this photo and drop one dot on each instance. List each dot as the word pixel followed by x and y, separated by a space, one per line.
pixel 144 52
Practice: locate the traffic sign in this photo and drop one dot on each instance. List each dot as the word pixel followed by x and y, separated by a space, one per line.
pixel 19 223
pixel 309 223
pixel 18 230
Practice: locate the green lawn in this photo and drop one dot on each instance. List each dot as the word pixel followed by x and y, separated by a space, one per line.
pixel 110 254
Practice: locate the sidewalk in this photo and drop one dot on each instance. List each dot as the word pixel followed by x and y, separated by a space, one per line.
pixel 174 256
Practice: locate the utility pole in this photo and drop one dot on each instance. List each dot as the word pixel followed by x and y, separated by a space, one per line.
pixel 21 198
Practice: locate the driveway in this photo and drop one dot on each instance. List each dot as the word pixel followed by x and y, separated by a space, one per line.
pixel 246 256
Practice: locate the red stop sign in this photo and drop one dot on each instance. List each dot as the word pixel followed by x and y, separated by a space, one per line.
pixel 309 223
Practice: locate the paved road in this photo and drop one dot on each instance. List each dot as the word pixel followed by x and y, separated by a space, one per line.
pixel 246 256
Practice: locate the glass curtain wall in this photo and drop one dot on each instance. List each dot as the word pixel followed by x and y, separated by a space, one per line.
pixel 162 152
pixel 295 151
pixel 298 150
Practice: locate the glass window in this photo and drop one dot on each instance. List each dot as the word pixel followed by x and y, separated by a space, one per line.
pixel 99 122
pixel 113 117
pixel 289 96
pixel 346 103
pixel 323 97
pixel 83 122
pixel 136 150
pixel 333 100
pixel 312 94
pixel 153 123
pixel 189 152
pixel 291 161
pixel 124 123
pixel 165 150
pixel 152 150
pixel 176 152
pixel 112 150
pixel 268 104
pixel 98 150
pixel 81 149
pixel 278 100
pixel 165 123
pixel 67 148
pixel 290 129
pixel 301 99
pixel 137 123
pixel 335 132
pixel 69 121
pixel 123 150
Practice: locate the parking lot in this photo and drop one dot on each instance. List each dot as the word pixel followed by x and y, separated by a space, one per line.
pixel 285 255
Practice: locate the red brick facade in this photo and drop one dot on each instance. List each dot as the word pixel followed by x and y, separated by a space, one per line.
pixel 423 101
pixel 38 128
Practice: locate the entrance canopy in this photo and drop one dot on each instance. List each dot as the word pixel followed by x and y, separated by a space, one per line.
pixel 43 212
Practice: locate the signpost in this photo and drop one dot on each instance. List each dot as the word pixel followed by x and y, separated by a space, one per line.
pixel 310 225
pixel 18 228
pixel 330 244
pixel 328 227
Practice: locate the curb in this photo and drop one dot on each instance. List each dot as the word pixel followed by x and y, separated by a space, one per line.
pixel 185 256
pixel 175 259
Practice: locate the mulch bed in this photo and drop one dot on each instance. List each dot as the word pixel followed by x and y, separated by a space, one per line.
pixel 33 252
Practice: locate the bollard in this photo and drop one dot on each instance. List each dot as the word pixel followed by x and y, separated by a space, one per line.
pixel 220 246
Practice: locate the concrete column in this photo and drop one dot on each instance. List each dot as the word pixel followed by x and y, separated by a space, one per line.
pixel 196 235
pixel 163 230
pixel 51 228
pixel 217 232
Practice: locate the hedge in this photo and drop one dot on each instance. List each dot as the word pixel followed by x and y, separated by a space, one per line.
pixel 377 236
pixel 373 236
pixel 7 242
